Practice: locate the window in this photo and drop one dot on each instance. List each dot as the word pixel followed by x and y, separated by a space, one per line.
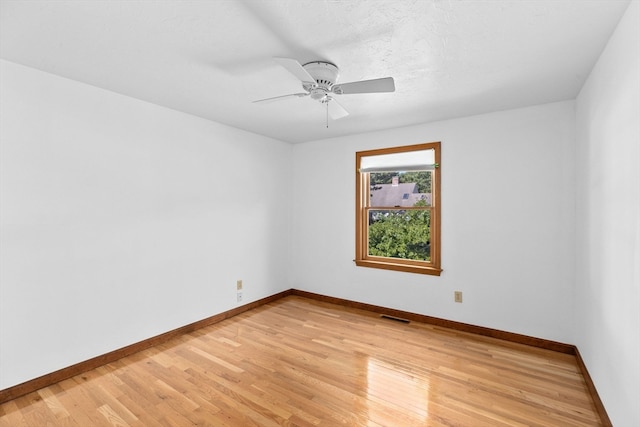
pixel 398 208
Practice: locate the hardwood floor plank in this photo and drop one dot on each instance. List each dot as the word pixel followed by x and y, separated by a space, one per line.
pixel 11 416
pixel 114 419
pixel 303 362
pixel 53 403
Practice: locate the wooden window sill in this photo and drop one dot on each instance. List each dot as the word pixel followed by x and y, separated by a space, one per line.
pixel 408 268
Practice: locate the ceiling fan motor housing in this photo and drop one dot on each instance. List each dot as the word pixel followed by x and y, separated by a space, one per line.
pixel 325 75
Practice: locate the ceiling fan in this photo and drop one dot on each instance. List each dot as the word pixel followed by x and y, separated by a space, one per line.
pixel 319 83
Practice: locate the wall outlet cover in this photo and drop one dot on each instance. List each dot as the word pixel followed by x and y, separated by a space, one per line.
pixel 457 296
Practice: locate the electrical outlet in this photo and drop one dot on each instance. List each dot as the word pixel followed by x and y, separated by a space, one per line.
pixel 239 285
pixel 457 296
pixel 239 297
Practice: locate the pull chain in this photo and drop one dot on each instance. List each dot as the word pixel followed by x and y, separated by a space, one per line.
pixel 327 119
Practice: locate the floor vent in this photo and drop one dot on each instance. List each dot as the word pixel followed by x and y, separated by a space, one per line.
pixel 397 319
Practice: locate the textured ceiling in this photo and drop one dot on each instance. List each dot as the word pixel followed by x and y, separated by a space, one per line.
pixel 212 58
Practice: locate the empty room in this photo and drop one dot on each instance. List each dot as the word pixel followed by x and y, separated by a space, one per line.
pixel 319 213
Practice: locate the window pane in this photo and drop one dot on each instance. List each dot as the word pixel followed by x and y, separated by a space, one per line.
pixel 400 189
pixel 404 234
pixel 397 208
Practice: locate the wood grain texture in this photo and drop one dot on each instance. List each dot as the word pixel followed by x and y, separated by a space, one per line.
pixel 68 372
pixel 304 362
pixel 464 327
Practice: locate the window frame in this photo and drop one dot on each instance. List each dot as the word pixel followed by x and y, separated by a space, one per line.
pixel 363 259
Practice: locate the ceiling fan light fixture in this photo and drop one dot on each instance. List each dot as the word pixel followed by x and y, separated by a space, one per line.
pixel 319 79
pixel 324 73
pixel 318 94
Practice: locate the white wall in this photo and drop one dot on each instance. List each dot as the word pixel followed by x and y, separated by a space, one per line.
pixel 121 220
pixel 608 222
pixel 507 222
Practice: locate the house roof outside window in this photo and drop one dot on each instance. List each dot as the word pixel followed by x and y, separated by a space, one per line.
pixel 402 194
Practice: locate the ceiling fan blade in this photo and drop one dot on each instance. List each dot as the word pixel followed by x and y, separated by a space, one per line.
pixel 275 98
pixel 384 84
pixel 336 111
pixel 294 67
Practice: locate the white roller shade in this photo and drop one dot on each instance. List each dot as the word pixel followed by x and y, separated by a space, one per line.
pixel 406 161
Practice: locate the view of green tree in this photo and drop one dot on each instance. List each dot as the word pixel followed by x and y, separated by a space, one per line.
pixel 381 177
pixel 422 178
pixel 401 233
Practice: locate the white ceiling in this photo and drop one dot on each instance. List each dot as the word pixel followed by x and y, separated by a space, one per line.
pixel 212 58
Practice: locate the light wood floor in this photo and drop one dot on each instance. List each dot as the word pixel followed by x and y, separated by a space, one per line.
pixel 301 362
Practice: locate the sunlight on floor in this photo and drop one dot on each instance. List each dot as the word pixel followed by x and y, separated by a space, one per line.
pixel 393 385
